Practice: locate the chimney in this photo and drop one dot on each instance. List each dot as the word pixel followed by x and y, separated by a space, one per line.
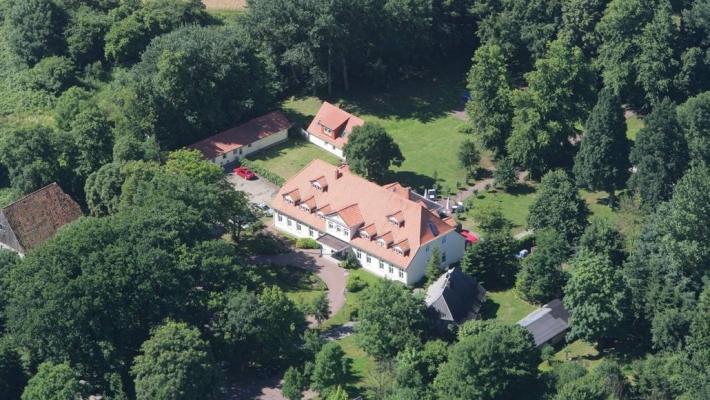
pixel 337 174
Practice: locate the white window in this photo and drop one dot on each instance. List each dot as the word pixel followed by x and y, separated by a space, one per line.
pixel 311 232
pixel 382 265
pixel 347 232
pixel 391 270
pixel 298 227
pixel 279 217
pixel 337 228
pixel 369 259
pixel 443 240
pixel 427 249
pixel 289 222
pixel 443 256
pixel 401 274
pixel 330 225
pixel 358 254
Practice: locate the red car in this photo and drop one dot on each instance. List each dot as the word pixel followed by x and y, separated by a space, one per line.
pixel 470 237
pixel 245 173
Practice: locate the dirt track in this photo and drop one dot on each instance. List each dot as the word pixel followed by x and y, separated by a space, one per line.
pixel 225 4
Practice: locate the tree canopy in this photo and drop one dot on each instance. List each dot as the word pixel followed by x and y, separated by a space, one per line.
pixel 371 151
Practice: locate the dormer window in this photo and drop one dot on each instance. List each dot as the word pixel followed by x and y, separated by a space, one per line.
pixel 381 242
pixel 319 184
pixel 292 197
pixel 364 235
pixel 305 207
pixel 399 251
pixel 396 218
pixel 316 185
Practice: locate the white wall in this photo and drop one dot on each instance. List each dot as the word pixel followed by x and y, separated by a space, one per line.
pixel 387 271
pixel 451 246
pixel 260 144
pixel 323 144
pixel 291 226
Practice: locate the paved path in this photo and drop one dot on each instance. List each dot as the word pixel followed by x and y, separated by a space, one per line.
pixel 327 269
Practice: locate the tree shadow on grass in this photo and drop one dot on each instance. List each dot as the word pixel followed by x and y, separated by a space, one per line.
pixel 414 180
pixel 489 309
pixel 520 190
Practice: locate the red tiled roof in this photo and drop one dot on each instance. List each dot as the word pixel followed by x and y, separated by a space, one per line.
pixel 39 215
pixel 242 135
pixel 333 117
pixel 368 204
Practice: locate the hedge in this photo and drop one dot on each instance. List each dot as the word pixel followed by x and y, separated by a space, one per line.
pixel 263 172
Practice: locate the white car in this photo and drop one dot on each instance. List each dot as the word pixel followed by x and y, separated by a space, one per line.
pixel 265 208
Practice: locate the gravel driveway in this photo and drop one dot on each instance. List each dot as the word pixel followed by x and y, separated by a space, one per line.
pixel 259 189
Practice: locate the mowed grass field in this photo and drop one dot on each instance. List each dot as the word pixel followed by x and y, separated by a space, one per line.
pixel 419 117
pixel 289 157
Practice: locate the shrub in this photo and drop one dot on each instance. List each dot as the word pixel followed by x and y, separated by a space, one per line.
pixel 355 284
pixel 263 172
pixel 350 262
pixel 52 75
pixel 306 243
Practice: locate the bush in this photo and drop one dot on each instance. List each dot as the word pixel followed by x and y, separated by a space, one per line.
pixel 355 284
pixel 350 262
pixel 52 75
pixel 307 243
pixel 263 172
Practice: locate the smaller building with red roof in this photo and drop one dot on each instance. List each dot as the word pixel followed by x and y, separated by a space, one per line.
pixel 331 127
pixel 250 137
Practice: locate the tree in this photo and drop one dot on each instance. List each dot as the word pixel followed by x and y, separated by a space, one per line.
pixel 371 151
pixel 390 319
pixel 619 29
pixel 190 162
pixel 469 157
pixel 338 394
pixel 92 140
pixel 596 299
pixel 130 148
pixel 657 63
pixel 489 109
pixel 433 267
pixel 174 364
pixel 53 382
pixel 541 277
pixel 693 118
pixel 103 190
pixel 505 173
pixel 492 260
pixel 30 156
pixel 85 35
pixel 196 81
pixel 602 162
pixel 490 219
pixel 603 383
pixel 659 155
pixel 293 385
pixel 579 22
pixel 102 283
pixel 128 37
pixel 499 362
pixel 321 308
pixel 51 75
pixel 72 102
pixel 559 93
pixel 12 374
pixel 603 238
pixel 559 206
pixel 34 29
pixel 331 368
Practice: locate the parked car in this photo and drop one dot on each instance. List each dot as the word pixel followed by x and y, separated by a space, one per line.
pixel 470 237
pixel 245 173
pixel 265 208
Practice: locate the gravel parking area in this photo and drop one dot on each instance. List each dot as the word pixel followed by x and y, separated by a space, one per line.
pixel 260 189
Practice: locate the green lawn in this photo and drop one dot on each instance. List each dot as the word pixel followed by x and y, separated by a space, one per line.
pixel 506 307
pixel 633 126
pixel 352 300
pixel 362 364
pixel 514 206
pixel 418 116
pixel 287 158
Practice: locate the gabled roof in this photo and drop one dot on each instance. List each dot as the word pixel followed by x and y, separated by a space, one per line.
pixel 242 135
pixel 39 215
pixel 333 117
pixel 455 296
pixel 360 202
pixel 546 322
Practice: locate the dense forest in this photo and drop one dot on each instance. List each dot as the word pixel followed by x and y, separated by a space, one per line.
pixel 140 299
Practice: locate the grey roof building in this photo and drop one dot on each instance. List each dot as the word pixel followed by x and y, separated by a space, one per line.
pixel 455 296
pixel 547 324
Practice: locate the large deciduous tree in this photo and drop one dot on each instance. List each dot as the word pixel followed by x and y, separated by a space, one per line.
pixel 330 368
pixel 558 96
pixel 602 162
pixel 496 362
pixel 603 238
pixel 371 151
pixel 489 108
pixel 175 364
pixel 659 155
pixel 34 29
pixel 657 62
pixel 53 382
pixel 31 157
pixel 469 157
pixel 596 299
pixel 558 206
pixel 541 277
pixel 694 118
pixel 196 81
pixel 390 319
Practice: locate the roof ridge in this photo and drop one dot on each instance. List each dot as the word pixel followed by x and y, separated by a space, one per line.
pixel 46 187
